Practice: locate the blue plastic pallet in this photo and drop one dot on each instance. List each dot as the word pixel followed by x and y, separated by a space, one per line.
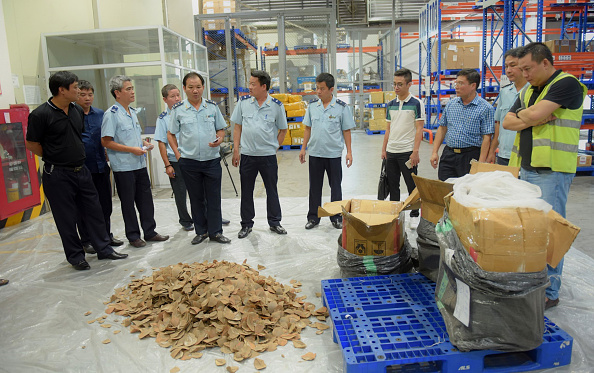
pixel 392 324
pixel 289 147
pixel 375 106
pixel 294 119
pixel 378 132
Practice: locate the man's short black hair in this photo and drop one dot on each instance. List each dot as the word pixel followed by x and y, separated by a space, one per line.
pixel 85 85
pixel 263 78
pixel 539 52
pixel 405 73
pixel 191 75
pixel 514 52
pixel 326 78
pixel 61 79
pixel 167 88
pixel 471 75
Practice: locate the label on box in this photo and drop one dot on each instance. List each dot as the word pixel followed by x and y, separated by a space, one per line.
pixel 462 309
pixel 210 11
pixel 453 47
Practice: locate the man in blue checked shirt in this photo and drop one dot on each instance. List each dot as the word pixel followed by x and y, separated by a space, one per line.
pixel 260 128
pixel 95 162
pixel 120 134
pixel 328 122
pixel 467 124
pixel 504 139
pixel 200 128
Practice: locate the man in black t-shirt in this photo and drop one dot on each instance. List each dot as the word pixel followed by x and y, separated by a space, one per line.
pixel 55 133
pixel 547 116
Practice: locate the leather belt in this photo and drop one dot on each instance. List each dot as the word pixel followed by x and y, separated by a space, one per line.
pixel 464 150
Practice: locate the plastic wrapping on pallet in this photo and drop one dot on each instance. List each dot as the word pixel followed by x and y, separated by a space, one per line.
pixel 428 249
pixel 352 265
pixel 487 310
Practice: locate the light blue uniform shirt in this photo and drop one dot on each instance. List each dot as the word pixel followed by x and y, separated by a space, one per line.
pixel 507 98
pixel 467 124
pixel 327 124
pixel 196 128
pixel 161 133
pixel 259 125
pixel 125 130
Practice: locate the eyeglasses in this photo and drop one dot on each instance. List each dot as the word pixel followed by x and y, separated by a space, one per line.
pixel 398 85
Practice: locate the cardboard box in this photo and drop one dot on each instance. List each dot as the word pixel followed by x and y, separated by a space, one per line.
pixel 584 160
pixel 296 113
pixel 432 193
pixel 389 96
pixel 561 235
pixel 379 113
pixel 476 166
pixel 296 140
pixel 370 228
pixel 471 55
pixel 296 126
pixel 562 46
pixel 377 124
pixel 376 97
pixel 287 140
pixel 458 54
pixel 298 133
pixel 290 106
pixel 219 24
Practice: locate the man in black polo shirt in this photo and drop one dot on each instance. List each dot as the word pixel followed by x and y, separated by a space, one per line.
pixel 55 134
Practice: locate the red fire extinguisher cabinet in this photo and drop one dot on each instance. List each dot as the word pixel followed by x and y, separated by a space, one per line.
pixel 19 183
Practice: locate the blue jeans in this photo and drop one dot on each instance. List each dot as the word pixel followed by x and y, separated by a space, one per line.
pixel 554 187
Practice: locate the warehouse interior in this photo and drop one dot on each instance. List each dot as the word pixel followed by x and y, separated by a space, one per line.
pixel 45 321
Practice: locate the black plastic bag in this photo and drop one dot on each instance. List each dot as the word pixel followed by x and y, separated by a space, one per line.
pixel 383 189
pixel 428 249
pixel 352 265
pixel 505 309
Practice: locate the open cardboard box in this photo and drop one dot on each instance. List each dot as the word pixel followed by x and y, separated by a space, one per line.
pixel 370 227
pixel 500 240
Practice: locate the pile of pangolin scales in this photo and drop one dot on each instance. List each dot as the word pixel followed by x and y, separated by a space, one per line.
pixel 190 307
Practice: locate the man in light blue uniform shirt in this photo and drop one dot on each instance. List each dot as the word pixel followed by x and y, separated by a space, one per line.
pixel 200 128
pixel 120 134
pixel 328 124
pixel 504 139
pixel 171 97
pixel 260 128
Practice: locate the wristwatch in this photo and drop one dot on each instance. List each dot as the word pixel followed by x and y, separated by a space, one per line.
pixel 518 112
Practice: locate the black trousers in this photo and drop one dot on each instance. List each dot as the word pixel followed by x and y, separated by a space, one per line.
pixel 456 164
pixel 178 185
pixel 203 179
pixel 317 167
pixel 71 194
pixel 134 188
pixel 249 168
pixel 503 161
pixel 395 166
pixel 103 186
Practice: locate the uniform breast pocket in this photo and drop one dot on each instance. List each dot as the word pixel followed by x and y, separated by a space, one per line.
pixel 127 132
pixel 186 125
pixel 334 125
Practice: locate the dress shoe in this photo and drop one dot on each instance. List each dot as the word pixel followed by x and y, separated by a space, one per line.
pixel 220 238
pixel 188 227
pixel 113 256
pixel 115 242
pixel 225 221
pixel 549 303
pixel 310 224
pixel 243 233
pixel 138 243
pixel 158 238
pixel 82 266
pixel 278 229
pixel 199 238
pixel 88 248
pixel 337 224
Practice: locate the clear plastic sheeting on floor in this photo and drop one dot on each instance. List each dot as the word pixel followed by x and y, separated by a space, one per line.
pixel 43 326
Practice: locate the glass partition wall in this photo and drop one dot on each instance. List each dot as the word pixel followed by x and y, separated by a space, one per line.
pixel 151 56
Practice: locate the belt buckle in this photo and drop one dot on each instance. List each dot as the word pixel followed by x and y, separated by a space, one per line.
pixel 77 169
pixel 458 151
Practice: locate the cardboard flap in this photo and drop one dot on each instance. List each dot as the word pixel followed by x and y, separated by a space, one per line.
pixel 374 219
pixel 375 206
pixel 432 193
pixel 413 202
pixel 334 208
pixel 562 233
pixel 490 167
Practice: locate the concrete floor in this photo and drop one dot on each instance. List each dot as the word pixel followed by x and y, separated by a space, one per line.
pixel 362 179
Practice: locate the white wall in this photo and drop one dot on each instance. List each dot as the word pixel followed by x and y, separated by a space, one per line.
pixel 6 86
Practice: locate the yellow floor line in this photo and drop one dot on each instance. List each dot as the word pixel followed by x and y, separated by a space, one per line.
pixel 27 239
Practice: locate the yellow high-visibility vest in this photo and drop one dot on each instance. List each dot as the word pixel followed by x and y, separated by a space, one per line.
pixel 554 144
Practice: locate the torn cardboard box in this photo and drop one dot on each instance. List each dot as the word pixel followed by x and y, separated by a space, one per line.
pixel 370 227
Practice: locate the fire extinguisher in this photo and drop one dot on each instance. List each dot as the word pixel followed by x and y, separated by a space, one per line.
pixel 25 185
pixel 589 146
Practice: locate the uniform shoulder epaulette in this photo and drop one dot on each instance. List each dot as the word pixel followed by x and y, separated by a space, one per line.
pixel 114 109
pixel 132 108
pixel 177 105
pixel 276 101
pixel 245 97
pixel 314 100
pixel 162 115
pixel 340 102
pixel 507 85
pixel 211 102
